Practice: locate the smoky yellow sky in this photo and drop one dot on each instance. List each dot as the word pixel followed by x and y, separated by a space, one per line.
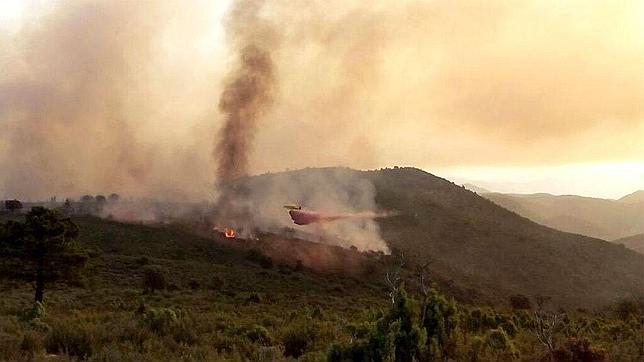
pixel 110 96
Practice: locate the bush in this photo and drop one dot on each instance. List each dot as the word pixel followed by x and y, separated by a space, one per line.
pixel 73 340
pixel 498 341
pixel 258 334
pixel 509 327
pixel 36 311
pixel 298 339
pixel 253 298
pixel 578 349
pixel 160 320
pixel 223 343
pixel 475 349
pixel 154 278
pixel 168 321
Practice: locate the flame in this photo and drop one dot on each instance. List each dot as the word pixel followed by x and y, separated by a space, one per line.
pixel 225 231
pixel 230 232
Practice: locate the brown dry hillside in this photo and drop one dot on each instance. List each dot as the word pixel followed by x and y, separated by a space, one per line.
pixel 600 218
pixel 491 252
pixel 635 242
pixel 635 197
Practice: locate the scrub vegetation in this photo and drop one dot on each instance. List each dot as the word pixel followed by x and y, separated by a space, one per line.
pixel 157 292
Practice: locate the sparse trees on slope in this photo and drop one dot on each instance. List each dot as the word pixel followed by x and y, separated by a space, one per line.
pixel 409 338
pixel 45 243
pixel 394 335
pixel 154 278
pixel 441 322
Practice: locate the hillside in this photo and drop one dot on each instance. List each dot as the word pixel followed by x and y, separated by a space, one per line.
pixel 220 293
pixel 635 197
pixel 485 250
pixel 222 301
pixel 600 218
pixel 635 242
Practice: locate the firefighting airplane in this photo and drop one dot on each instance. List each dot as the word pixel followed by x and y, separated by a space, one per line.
pixel 304 217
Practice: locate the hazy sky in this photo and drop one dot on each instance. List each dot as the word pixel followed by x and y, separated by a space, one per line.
pixel 519 96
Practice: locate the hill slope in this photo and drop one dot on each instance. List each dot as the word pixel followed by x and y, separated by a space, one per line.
pixel 487 250
pixel 637 196
pixel 635 242
pixel 599 218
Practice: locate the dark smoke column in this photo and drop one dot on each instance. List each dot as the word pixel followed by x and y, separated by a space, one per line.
pixel 247 96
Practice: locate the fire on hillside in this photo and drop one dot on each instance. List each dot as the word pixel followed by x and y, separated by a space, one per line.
pixel 227 232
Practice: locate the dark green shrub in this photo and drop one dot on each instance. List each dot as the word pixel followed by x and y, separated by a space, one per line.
pixel 378 344
pixel 154 278
pixel 395 335
pixel 299 338
pixel 440 322
pixel 509 327
pixel 168 321
pixel 497 339
pixel 409 337
pixel 500 343
pixel 160 320
pixel 475 349
pixel 36 311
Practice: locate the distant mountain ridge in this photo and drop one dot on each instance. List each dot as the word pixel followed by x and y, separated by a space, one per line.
pixel 637 196
pixel 487 251
pixel 635 242
pixel 477 189
pixel 601 218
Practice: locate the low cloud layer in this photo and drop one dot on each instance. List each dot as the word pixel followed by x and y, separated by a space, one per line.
pixel 104 96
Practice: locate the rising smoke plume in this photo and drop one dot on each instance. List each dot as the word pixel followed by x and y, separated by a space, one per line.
pixel 249 91
pixel 247 96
